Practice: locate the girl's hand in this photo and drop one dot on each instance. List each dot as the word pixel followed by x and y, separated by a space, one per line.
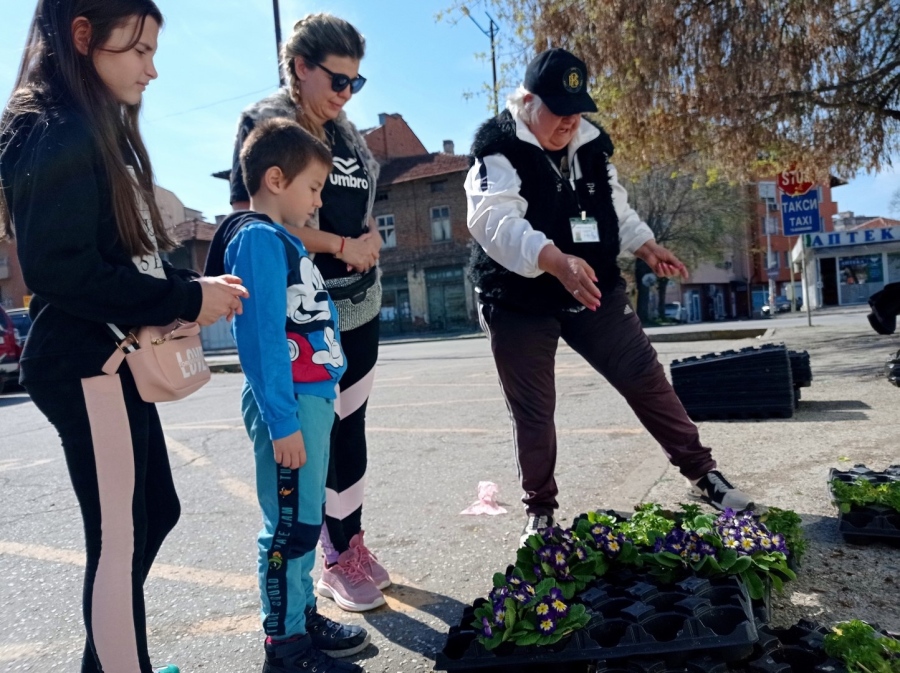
pixel 221 298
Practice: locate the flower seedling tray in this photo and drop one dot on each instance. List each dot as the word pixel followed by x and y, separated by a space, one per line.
pixel 641 618
pixel 463 652
pixel 801 372
pixel 693 665
pixel 865 524
pixel 798 649
pixel 748 383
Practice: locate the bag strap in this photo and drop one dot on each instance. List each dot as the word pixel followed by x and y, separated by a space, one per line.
pixel 124 345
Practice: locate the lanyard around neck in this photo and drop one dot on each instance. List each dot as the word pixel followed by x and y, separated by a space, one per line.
pixel 564 170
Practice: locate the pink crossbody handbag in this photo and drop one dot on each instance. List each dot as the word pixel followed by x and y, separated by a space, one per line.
pixel 167 362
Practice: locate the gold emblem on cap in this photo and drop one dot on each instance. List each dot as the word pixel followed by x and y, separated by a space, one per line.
pixel 573 80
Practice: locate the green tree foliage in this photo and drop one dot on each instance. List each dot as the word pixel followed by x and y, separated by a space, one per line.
pixel 699 218
pixel 748 86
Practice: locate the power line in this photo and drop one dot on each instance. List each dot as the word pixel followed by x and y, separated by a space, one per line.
pixel 208 105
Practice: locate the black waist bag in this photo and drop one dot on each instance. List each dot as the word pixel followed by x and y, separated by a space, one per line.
pixel 354 291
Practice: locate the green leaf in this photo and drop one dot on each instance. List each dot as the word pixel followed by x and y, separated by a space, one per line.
pixel 499 580
pixel 727 558
pixel 529 639
pixel 568 590
pixel 492 642
pixel 740 565
pixel 755 586
pixel 777 582
pixel 544 586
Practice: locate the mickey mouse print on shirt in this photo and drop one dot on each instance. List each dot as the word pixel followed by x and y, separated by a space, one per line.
pixel 312 340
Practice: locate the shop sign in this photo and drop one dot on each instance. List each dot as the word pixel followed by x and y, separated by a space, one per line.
pixel 860 237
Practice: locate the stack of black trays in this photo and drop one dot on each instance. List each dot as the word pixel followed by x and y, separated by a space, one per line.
pixel 748 383
pixel 801 372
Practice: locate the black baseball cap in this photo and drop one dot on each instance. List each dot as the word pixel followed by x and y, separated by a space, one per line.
pixel 560 79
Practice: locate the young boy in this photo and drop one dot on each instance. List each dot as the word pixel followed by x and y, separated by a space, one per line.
pixel 290 351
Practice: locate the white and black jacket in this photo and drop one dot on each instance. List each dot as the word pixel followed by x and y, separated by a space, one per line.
pixel 518 203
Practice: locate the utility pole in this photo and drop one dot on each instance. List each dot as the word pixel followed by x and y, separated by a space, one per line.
pixel 491 32
pixel 278 39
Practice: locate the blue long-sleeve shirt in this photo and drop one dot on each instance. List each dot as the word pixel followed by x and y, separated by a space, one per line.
pixel 287 337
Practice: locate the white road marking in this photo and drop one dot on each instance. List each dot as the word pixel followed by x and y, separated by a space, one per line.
pixel 241 490
pixel 163 571
pixel 10 465
pixel 187 454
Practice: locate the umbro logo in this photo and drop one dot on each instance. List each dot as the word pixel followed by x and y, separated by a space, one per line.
pixel 342 176
pixel 346 166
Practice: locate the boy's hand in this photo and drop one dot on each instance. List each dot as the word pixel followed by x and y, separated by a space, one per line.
pixel 290 451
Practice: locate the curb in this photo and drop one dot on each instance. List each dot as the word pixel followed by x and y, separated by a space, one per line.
pixel 710 335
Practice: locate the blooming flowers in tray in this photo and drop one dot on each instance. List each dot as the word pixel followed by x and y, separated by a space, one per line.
pixel 521 613
pixel 530 604
pixel 730 544
pixel 562 555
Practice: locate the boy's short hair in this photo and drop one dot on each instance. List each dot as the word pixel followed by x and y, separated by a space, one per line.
pixel 282 143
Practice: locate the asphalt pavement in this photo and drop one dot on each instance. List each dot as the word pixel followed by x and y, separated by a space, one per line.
pixel 438 426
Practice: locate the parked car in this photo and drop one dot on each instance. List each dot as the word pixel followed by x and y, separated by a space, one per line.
pixel 9 352
pixel 22 322
pixel 672 311
pixel 782 305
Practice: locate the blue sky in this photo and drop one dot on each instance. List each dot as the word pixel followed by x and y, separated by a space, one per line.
pixel 221 54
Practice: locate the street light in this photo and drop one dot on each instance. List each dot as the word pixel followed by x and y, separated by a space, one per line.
pixel 278 39
pixel 492 31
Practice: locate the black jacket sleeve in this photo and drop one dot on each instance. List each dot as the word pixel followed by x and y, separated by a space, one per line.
pixel 58 208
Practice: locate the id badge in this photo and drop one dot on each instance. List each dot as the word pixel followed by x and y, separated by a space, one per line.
pixel 584 230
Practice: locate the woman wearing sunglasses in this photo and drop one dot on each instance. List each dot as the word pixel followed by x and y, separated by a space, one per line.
pixel 320 61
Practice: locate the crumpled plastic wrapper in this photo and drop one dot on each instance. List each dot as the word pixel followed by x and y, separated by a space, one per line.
pixel 487 500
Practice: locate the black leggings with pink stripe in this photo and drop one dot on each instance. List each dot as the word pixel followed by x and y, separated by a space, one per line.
pixel 116 455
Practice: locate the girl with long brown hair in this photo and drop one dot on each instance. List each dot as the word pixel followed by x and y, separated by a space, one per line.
pixel 76 191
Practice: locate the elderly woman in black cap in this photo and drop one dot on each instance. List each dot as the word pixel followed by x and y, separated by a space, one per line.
pixel 550 218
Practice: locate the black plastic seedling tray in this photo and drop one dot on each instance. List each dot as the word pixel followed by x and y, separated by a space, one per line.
pixel 801 372
pixel 641 618
pixel 798 649
pixel 738 384
pixel 865 524
pixel 693 665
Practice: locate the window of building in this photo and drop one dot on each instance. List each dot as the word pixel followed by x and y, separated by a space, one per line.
pixel 387 230
pixel 381 196
pixel 440 223
pixel 439 186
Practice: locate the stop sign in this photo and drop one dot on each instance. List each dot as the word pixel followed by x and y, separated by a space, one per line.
pixel 792 183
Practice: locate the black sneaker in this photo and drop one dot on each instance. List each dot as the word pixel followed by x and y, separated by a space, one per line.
pixel 714 489
pixel 299 656
pixel 535 524
pixel 335 640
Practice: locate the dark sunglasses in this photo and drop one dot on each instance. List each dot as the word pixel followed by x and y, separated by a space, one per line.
pixel 340 82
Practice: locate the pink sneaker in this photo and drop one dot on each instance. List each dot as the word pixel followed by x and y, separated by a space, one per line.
pixel 347 584
pixel 369 562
